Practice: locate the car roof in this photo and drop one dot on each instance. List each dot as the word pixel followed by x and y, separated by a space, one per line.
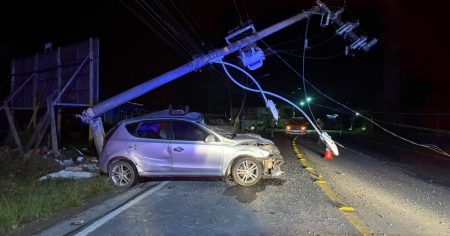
pixel 168 114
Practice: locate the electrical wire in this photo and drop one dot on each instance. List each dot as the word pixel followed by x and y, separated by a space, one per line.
pixel 171 31
pixel 177 33
pixel 183 44
pixel 203 39
pixel 239 14
pixel 414 127
pixel 305 45
pixel 311 38
pixel 250 76
pixel 179 29
pixel 188 46
pixel 175 25
pixel 329 143
pixel 191 27
pixel 309 47
pixel 245 9
pixel 441 131
pixel 315 58
pixel 411 113
pixel 428 146
pixel 224 64
pixel 152 28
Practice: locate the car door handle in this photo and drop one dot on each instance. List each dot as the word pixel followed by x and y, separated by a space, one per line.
pixel 178 149
pixel 134 146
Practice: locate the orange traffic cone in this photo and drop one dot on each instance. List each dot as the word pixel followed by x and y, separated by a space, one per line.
pixel 328 155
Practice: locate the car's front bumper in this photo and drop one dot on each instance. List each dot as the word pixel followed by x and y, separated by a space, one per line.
pixel 272 165
pixel 296 132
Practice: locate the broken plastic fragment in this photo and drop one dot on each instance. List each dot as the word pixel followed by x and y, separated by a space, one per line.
pixel 78 222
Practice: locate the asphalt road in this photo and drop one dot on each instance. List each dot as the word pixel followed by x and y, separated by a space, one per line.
pixel 390 197
pixel 386 199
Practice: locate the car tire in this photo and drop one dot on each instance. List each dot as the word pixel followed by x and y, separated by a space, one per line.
pixel 247 171
pixel 123 174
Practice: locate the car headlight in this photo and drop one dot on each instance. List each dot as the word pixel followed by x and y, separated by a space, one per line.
pixel 288 127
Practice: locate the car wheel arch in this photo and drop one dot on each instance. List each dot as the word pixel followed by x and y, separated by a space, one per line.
pixel 119 158
pixel 241 177
pixel 231 164
pixel 122 172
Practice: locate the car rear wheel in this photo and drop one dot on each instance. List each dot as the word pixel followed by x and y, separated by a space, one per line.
pixel 123 174
pixel 247 171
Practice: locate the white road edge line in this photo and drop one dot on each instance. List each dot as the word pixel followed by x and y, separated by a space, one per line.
pixel 119 210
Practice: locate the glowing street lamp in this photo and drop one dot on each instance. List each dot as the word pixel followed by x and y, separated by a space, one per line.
pixel 308 99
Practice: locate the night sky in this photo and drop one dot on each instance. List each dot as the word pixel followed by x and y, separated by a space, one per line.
pixel 407 71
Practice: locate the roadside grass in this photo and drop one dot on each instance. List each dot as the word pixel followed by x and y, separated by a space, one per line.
pixel 23 198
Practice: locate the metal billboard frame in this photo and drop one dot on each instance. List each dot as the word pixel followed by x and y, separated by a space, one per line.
pixel 65 77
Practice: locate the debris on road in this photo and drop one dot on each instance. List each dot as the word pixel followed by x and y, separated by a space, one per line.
pixel 68 174
pixel 74 168
pixel 73 160
pixel 78 222
pixel 66 162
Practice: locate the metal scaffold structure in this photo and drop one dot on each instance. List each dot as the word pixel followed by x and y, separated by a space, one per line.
pixel 43 85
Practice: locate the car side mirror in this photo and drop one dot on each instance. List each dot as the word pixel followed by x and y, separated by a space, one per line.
pixel 210 138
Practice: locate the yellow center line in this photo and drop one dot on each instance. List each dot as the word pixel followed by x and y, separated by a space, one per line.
pixel 346 210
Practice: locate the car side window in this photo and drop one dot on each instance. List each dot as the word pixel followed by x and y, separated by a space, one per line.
pixel 188 131
pixel 152 129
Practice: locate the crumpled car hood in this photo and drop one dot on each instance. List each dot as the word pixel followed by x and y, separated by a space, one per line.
pixel 250 138
pixel 246 139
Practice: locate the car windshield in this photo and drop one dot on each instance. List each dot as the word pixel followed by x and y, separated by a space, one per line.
pixel 225 133
pixel 297 121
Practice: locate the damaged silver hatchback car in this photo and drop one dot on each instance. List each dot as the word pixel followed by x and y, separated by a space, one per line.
pixel 176 143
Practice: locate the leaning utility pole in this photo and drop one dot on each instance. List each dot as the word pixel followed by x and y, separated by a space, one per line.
pixel 91 115
pixel 251 56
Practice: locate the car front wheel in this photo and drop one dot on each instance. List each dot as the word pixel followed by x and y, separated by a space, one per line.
pixel 123 174
pixel 247 171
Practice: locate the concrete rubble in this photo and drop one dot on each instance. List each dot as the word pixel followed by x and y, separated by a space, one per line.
pixel 75 165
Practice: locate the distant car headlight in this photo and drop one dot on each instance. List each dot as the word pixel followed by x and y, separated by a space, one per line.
pixel 252 127
pixel 288 127
pixel 303 128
